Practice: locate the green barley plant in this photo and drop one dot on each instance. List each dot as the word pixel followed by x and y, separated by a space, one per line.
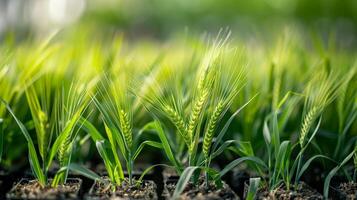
pixel 281 166
pixel 14 73
pixel 226 88
pixel 114 100
pixel 6 93
pixel 184 113
pixel 55 114
pixel 346 107
pixel 347 112
pixel 194 90
pixel 323 88
pixel 320 91
pixel 333 172
pixel 217 85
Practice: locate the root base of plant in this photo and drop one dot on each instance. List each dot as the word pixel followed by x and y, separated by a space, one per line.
pixel 202 191
pixel 104 190
pixel 31 189
pixel 301 192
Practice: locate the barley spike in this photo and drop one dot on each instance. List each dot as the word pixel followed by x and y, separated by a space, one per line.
pixel 307 123
pixel 196 112
pixel 177 120
pixel 126 128
pixel 207 141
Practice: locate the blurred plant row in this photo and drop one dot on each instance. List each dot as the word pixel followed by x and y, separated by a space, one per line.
pixel 207 105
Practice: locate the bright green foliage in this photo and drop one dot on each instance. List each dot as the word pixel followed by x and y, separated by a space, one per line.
pixel 185 97
pixel 55 109
pixel 115 102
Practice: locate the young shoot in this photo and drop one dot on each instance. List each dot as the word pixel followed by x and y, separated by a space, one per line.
pixel 55 113
pixel 121 145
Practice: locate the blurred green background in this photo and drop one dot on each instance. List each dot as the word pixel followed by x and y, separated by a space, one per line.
pixel 160 19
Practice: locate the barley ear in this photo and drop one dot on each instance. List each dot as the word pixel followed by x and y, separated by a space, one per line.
pixel 64 151
pixel 179 123
pixel 126 128
pixel 212 124
pixel 196 112
pixel 307 123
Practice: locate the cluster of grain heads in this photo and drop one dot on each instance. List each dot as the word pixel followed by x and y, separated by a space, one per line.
pixel 70 91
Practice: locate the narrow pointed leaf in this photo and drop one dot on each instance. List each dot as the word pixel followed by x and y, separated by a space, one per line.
pixel 333 172
pixel 146 143
pixel 182 182
pixel 33 158
pixel 253 188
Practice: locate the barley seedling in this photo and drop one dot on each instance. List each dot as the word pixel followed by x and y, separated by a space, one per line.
pixel 60 119
pixel 171 105
pixel 320 92
pixel 115 101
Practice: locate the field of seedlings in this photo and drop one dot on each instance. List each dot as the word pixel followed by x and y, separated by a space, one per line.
pixel 116 113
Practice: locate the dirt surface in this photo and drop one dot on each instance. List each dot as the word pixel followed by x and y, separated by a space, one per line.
pixel 105 190
pixel 31 189
pixel 201 192
pixel 348 190
pixel 301 192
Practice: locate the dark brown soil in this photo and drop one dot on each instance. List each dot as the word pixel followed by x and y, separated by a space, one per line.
pixel 105 190
pixel 31 189
pixel 301 192
pixel 200 192
pixel 348 190
pixel 169 173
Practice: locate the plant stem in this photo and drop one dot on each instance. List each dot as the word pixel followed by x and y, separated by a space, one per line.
pixel 340 139
pixel 207 163
pixel 298 170
pixel 130 169
pixel 190 157
pixel 1 138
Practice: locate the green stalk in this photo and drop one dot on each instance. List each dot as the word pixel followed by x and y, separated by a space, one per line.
pixel 298 168
pixel 1 138
pixel 207 163
pixel 130 168
pixel 189 159
pixel 340 140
